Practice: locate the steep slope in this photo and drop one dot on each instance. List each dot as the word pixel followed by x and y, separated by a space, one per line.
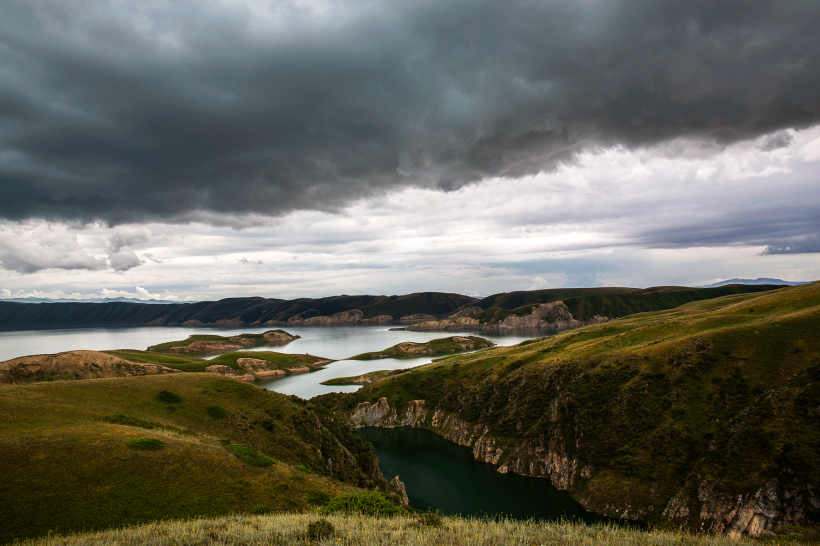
pixel 221 447
pixel 706 416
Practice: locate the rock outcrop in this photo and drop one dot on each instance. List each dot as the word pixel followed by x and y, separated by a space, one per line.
pixel 206 347
pixel 554 315
pixel 342 318
pixel 467 312
pixel 398 487
pixel 74 365
pixel 227 371
pixel 752 514
pixel 418 317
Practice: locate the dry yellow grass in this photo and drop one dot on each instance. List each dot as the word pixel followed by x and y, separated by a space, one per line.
pixel 285 529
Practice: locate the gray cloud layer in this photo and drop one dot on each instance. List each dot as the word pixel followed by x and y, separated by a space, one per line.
pixel 179 110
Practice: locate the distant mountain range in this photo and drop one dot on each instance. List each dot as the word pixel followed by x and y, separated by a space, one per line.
pixel 93 300
pixel 755 282
pixel 583 303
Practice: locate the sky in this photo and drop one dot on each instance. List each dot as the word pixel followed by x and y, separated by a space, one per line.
pixel 183 150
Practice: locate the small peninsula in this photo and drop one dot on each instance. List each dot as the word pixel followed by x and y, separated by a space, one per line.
pixel 435 347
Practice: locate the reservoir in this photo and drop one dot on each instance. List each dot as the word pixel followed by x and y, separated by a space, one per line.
pixel 441 475
pixel 334 342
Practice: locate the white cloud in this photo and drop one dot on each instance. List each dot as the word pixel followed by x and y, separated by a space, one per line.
pixel 32 246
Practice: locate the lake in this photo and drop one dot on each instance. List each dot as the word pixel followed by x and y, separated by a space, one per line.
pixel 336 342
pixel 441 475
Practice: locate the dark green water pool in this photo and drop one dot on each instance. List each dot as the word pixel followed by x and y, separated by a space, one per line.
pixel 440 475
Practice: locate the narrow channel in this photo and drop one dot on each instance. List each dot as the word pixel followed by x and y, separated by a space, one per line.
pixel 441 475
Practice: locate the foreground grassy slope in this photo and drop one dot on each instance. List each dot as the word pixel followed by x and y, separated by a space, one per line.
pixel 291 529
pixel 67 465
pixel 691 416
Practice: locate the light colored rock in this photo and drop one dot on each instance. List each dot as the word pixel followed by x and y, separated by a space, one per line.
pixel 397 486
pixel 418 317
pixel 205 347
pixel 300 369
pixel 464 313
pixel 279 337
pixel 269 373
pixel 380 319
pixel 253 364
pixel 544 315
pixel 352 316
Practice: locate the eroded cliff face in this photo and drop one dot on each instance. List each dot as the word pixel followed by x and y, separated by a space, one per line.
pixel 342 318
pixel 545 459
pixel 546 315
pixel 753 513
pixel 698 507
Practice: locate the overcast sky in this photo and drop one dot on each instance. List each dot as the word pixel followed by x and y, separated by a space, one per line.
pixel 199 150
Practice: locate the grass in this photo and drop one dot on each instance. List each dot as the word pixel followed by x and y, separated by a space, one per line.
pixel 67 465
pixel 193 364
pixel 409 530
pixel 368 377
pixel 246 340
pixel 431 348
pixel 723 392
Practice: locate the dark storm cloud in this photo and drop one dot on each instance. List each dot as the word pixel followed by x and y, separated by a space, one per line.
pixel 178 111
pixel 804 245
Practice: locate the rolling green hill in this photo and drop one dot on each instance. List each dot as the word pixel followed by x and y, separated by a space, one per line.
pixel 612 302
pixel 707 415
pixel 84 455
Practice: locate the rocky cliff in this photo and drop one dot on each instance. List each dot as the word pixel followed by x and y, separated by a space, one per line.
pixel 705 417
pixel 342 318
pixel 553 315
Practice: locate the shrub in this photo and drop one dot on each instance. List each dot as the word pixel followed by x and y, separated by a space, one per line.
pixel 319 529
pixel 303 468
pixel 168 397
pixel 260 509
pixel 249 455
pixel 319 497
pixel 215 412
pixel 146 444
pixel 370 503
pixel 430 519
pixel 120 419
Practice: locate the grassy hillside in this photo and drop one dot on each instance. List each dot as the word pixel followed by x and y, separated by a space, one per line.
pixel 696 416
pixel 585 303
pixel 227 312
pixel 225 447
pixel 293 529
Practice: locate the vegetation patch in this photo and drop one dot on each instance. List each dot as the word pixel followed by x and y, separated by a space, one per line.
pixel 369 503
pixel 320 529
pixel 127 420
pixel 215 411
pixel 319 497
pixel 167 397
pixel 249 455
pixel 146 444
